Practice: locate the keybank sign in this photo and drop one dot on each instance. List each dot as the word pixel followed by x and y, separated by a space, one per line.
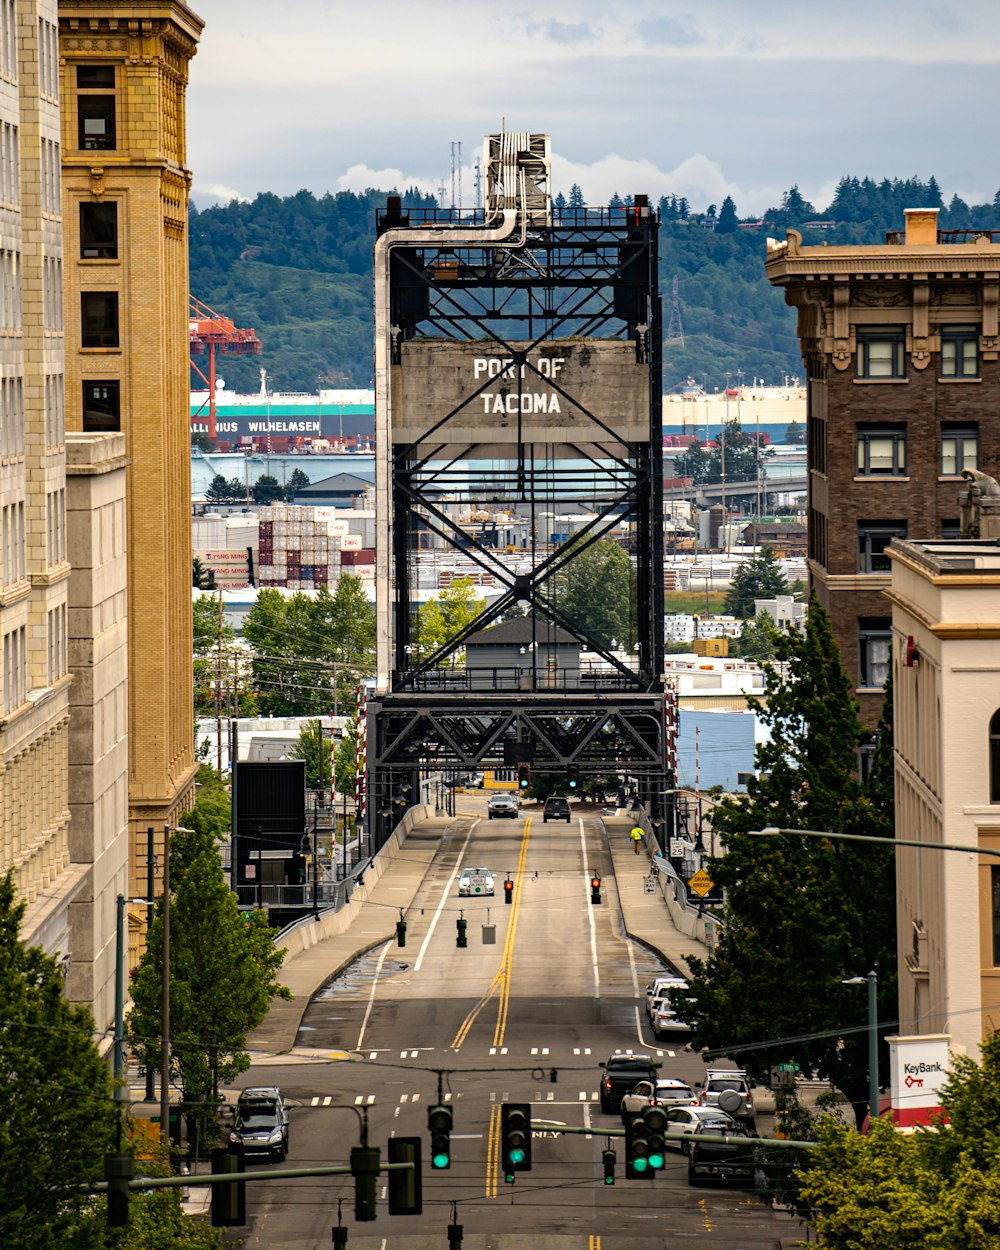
pixel 918 1069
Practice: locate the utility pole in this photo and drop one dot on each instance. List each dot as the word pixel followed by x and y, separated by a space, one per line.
pixel 165 998
pixel 150 911
pixel 218 689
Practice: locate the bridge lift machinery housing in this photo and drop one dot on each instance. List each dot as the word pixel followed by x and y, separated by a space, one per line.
pixel 517 370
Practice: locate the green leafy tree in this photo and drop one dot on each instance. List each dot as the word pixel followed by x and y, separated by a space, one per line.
pixel 596 591
pixel 440 619
pixel 219 489
pixel 801 914
pixel 201 578
pixel 735 449
pixel 728 222
pixel 212 813
pixel 57 1119
pixel 757 640
pixel 267 489
pixel 314 746
pixel 296 482
pixel 937 1189
pixel 223 976
pixel 760 577
pixel 794 433
pixel 201 442
pixel 206 633
pixel 345 758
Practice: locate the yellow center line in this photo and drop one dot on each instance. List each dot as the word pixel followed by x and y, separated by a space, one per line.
pixel 493 1152
pixel 501 978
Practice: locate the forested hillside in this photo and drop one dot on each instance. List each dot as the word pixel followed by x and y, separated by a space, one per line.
pixel 299 270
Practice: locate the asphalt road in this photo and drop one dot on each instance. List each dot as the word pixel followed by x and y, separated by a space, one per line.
pixel 527 1017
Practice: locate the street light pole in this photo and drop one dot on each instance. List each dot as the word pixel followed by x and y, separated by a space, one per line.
pixel 873 1082
pixel 165 998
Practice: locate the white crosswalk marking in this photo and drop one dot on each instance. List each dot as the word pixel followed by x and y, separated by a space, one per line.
pixel 416 1098
pixel 578 1051
pixel 359 1101
pixel 327 1100
pixel 404 1097
pixel 371 1099
pixel 550 1097
pixel 448 1096
pixel 584 1095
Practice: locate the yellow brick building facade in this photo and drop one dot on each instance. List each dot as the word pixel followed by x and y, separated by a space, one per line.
pixel 124 69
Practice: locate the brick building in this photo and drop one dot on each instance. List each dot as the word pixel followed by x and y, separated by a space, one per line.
pixel 901 346
pixel 125 202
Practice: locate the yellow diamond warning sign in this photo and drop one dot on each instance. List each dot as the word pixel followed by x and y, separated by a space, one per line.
pixel 701 882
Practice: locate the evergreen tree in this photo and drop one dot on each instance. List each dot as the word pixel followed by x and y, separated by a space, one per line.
pixel 219 490
pixel 801 914
pixel 576 199
pixel 757 640
pixel 794 433
pixel 296 482
pixel 201 577
pixel 760 577
pixel 223 975
pixel 595 593
pixel 728 221
pixel 267 489
pixel 314 746
pixel 57 1118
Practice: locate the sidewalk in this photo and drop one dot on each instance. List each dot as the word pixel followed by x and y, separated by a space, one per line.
pixel 319 950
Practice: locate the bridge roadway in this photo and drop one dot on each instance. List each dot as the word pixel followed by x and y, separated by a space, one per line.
pixel 526 1018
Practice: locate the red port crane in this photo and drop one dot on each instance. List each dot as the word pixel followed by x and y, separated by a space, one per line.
pixel 211 332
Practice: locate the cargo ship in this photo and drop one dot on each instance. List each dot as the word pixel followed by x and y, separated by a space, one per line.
pixel 288 422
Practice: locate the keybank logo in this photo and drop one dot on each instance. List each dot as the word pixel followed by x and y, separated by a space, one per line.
pixel 917 1069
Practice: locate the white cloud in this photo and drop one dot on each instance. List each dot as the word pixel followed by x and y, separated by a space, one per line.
pixel 362 177
pixel 216 193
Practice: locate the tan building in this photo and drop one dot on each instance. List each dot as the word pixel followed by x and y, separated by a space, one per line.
pixel 125 201
pixel 945 603
pixel 901 345
pixel 65 842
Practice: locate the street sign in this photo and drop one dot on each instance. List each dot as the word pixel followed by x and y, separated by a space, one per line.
pixel 701 882
pixel 787 1067
pixel 677 848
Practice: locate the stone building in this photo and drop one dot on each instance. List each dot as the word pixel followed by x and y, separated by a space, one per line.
pixel 945 604
pixel 63 680
pixel 901 346
pixel 125 201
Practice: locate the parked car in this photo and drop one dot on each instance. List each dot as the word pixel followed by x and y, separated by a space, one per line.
pixel 261 1122
pixel 556 808
pixel 729 1090
pixel 475 881
pixel 502 805
pixel 719 1159
pixel 621 1074
pixel 665 1091
pixel 683 1122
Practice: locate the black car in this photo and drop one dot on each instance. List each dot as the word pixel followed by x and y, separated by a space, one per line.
pixel 261 1123
pixel 621 1075
pixel 556 808
pixel 726 1160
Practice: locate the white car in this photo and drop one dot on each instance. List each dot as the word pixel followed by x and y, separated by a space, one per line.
pixel 475 881
pixel 502 805
pixel 656 991
pixel 665 1091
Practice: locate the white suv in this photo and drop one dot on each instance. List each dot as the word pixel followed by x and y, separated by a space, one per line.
pixel 729 1090
pixel 502 805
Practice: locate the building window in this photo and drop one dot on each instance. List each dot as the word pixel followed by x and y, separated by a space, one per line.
pixel 959 448
pixel 881 450
pixel 995 894
pixel 101 407
pixel 874 651
pixel 97 122
pixel 817 533
pixel 816 444
pixel 873 538
pixel 959 351
pixel 99 318
pixel 995 758
pixel 99 230
pixel 15 685
pixel 951 527
pixel 880 351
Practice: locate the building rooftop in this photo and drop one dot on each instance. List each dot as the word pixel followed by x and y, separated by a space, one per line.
pixel 946 557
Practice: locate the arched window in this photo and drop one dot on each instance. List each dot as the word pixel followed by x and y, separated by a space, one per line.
pixel 995 758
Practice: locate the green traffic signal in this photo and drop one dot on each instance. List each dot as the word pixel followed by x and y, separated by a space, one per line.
pixel 655 1120
pixel 609 1159
pixel 515 1137
pixel 439 1121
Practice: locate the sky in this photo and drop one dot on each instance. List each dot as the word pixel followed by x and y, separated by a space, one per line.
pixel 702 99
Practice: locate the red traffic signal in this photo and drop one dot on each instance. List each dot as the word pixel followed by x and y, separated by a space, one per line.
pixel 595 888
pixel 508 891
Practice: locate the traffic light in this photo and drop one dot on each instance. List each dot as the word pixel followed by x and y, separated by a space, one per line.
pixel 461 933
pixel 523 776
pixel 655 1120
pixel 637 1165
pixel 118 1171
pixel 439 1120
pixel 515 1138
pixel 573 778
pixel 229 1198
pixel 298 869
pixel 404 1184
pixel 609 1159
pixel 595 888
pixel 364 1169
pixel 400 933
pixel 508 891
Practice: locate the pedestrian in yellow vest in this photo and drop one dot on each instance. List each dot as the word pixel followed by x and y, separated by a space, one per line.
pixel 636 835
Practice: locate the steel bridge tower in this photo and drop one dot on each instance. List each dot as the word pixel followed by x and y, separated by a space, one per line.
pixel 518 374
